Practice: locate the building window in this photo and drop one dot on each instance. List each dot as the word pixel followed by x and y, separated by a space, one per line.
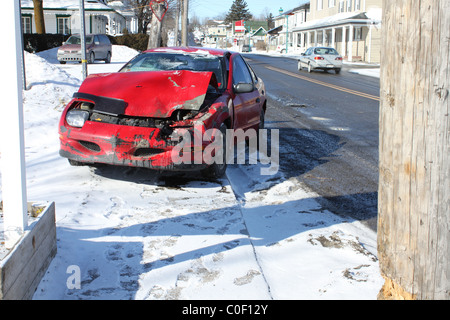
pixel 358 34
pixel 349 5
pixel 63 24
pixel 341 6
pixel 357 5
pixel 26 24
pixel 319 5
pixel 331 3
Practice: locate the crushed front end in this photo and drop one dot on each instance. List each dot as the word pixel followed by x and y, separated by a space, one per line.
pixel 121 130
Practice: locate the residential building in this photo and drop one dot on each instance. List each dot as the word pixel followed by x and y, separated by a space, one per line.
pixel 63 17
pixel 353 27
pixel 216 34
pixel 285 23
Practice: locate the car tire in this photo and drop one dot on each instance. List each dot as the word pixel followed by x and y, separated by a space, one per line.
pixel 337 70
pixel 62 62
pixel 91 58
pixel 108 58
pixel 215 170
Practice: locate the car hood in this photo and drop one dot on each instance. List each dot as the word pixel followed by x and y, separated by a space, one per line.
pixel 153 94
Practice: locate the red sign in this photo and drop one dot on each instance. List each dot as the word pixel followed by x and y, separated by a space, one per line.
pixel 239 26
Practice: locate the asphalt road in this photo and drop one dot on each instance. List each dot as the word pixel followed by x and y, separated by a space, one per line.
pixel 328 132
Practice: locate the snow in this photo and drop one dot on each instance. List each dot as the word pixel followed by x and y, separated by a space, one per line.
pixel 137 234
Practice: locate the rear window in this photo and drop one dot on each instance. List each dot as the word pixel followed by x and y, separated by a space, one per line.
pixel 326 51
pixel 164 61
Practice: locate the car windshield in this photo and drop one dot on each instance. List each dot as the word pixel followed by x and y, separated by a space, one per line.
pixel 326 51
pixel 77 40
pixel 164 61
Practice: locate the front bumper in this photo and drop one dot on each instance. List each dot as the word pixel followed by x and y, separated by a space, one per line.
pixel 122 145
pixel 69 56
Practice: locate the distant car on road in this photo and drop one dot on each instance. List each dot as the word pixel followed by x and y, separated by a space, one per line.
pixel 98 47
pixel 321 58
pixel 246 48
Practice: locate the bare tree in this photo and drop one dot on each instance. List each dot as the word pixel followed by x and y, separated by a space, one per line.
pixel 39 16
pixel 142 12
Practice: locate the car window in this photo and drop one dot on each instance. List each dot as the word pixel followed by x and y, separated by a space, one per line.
pixel 308 52
pixel 161 61
pixel 104 39
pixel 252 73
pixel 241 73
pixel 325 51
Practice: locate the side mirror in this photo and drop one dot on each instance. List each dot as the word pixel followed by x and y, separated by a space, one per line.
pixel 243 87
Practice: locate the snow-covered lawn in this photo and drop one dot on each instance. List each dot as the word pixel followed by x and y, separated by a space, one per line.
pixel 137 234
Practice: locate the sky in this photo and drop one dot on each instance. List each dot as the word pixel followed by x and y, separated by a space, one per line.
pixel 211 9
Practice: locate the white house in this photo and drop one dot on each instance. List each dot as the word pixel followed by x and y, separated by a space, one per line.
pixel 353 27
pixel 285 23
pixel 63 17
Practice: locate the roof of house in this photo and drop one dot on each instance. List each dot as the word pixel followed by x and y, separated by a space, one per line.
pixel 303 6
pixel 337 19
pixel 254 25
pixel 260 32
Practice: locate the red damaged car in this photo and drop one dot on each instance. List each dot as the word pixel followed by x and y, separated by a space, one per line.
pixel 139 116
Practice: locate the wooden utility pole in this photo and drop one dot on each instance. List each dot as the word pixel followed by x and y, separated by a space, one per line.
pixel 177 22
pixel 39 16
pixel 414 186
pixel 154 40
pixel 185 23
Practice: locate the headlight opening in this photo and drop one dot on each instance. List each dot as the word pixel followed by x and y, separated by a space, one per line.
pixel 77 118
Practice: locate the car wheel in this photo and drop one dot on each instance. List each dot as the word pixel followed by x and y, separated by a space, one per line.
pixel 309 67
pixel 62 62
pixel 337 70
pixel 91 57
pixel 217 170
pixel 108 58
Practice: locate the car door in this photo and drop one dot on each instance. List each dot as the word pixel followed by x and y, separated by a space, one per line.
pixel 305 57
pixel 99 48
pixel 246 99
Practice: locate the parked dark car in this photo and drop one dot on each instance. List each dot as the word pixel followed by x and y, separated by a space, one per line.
pixel 246 48
pixel 98 47
pixel 134 117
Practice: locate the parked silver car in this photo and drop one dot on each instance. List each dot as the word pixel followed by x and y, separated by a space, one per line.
pixel 98 47
pixel 322 58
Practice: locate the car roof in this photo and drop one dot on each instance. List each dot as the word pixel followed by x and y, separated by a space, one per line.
pixel 322 48
pixel 212 51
